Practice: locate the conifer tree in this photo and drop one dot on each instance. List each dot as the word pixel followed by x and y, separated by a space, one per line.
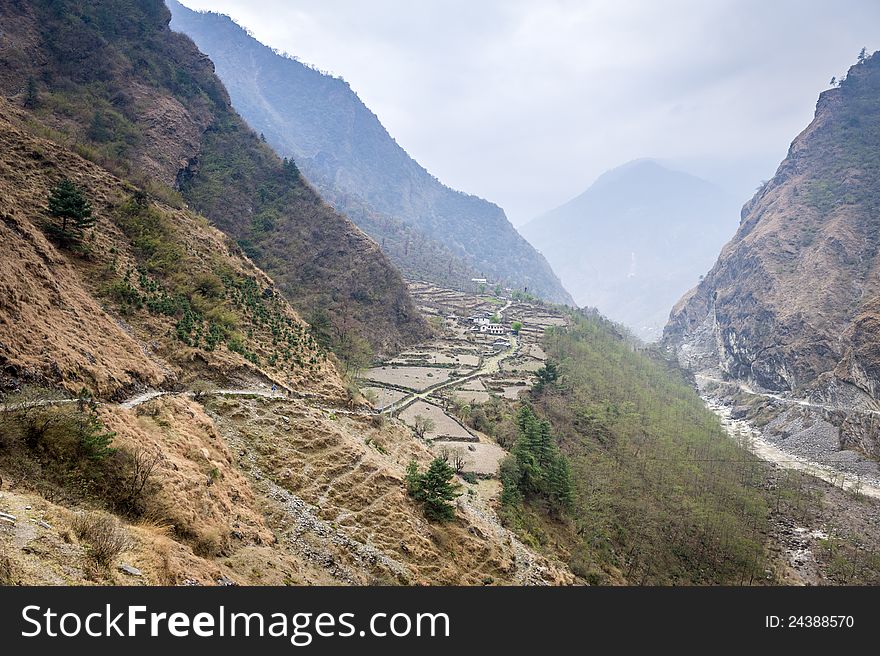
pixel 538 468
pixel 559 483
pixel 434 488
pixel 68 205
pixel 31 96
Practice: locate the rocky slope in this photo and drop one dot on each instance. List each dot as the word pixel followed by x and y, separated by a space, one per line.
pixel 293 489
pixel 432 232
pixel 791 304
pixel 138 98
pixel 635 241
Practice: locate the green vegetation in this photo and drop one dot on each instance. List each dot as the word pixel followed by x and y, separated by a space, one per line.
pixel 536 470
pixel 31 95
pixel 210 308
pixel 850 141
pixel 640 483
pixel 434 488
pixel 65 453
pixel 662 495
pixel 73 213
pixel 526 297
pixel 516 326
pixel 546 375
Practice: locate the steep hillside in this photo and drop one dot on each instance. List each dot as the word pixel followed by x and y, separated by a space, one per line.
pixel 635 241
pixel 431 231
pixel 215 479
pixel 142 100
pixel 160 297
pixel 664 496
pixel 792 294
pixel 791 304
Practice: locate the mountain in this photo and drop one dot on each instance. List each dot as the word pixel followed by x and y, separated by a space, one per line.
pixel 141 439
pixel 793 302
pixel 635 241
pixel 112 78
pixel 431 231
pixel 198 484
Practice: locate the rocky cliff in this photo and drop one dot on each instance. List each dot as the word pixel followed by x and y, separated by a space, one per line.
pixel 791 303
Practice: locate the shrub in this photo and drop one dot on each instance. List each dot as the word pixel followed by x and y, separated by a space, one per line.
pixel 133 479
pixel 209 285
pixel 103 536
pixel 9 574
pixel 422 426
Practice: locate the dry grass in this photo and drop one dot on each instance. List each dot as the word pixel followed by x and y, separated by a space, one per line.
pixel 9 574
pixel 103 535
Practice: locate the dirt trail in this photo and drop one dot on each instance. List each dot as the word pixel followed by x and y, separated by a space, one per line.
pixel 745 387
pixel 135 401
pixel 144 397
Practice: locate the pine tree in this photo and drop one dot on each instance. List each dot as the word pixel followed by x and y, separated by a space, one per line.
pixel 435 488
pixel 546 375
pixel 68 204
pixel 31 97
pixel 526 449
pixel 511 477
pixel 413 478
pixel 539 468
pixel 560 489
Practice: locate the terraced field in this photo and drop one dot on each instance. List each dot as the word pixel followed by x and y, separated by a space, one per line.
pixel 460 366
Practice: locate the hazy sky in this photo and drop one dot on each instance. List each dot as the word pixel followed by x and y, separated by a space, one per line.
pixel 526 102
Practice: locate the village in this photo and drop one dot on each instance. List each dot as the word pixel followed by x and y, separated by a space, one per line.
pixel 488 347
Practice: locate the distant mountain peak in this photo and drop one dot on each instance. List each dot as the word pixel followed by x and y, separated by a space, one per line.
pixel 635 240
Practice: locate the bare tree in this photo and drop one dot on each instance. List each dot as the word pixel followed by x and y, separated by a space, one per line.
pixel 142 464
pixel 422 426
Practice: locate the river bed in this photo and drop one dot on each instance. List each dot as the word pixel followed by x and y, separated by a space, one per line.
pixel 750 437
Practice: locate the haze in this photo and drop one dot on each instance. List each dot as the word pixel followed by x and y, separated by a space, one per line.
pixel 526 103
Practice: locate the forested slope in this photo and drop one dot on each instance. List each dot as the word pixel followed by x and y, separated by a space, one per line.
pixel 661 494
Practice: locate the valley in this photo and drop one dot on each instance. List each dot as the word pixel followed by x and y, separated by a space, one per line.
pixel 246 339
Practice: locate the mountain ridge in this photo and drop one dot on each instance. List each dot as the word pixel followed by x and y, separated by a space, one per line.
pixel 429 229
pixel 141 99
pixel 792 300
